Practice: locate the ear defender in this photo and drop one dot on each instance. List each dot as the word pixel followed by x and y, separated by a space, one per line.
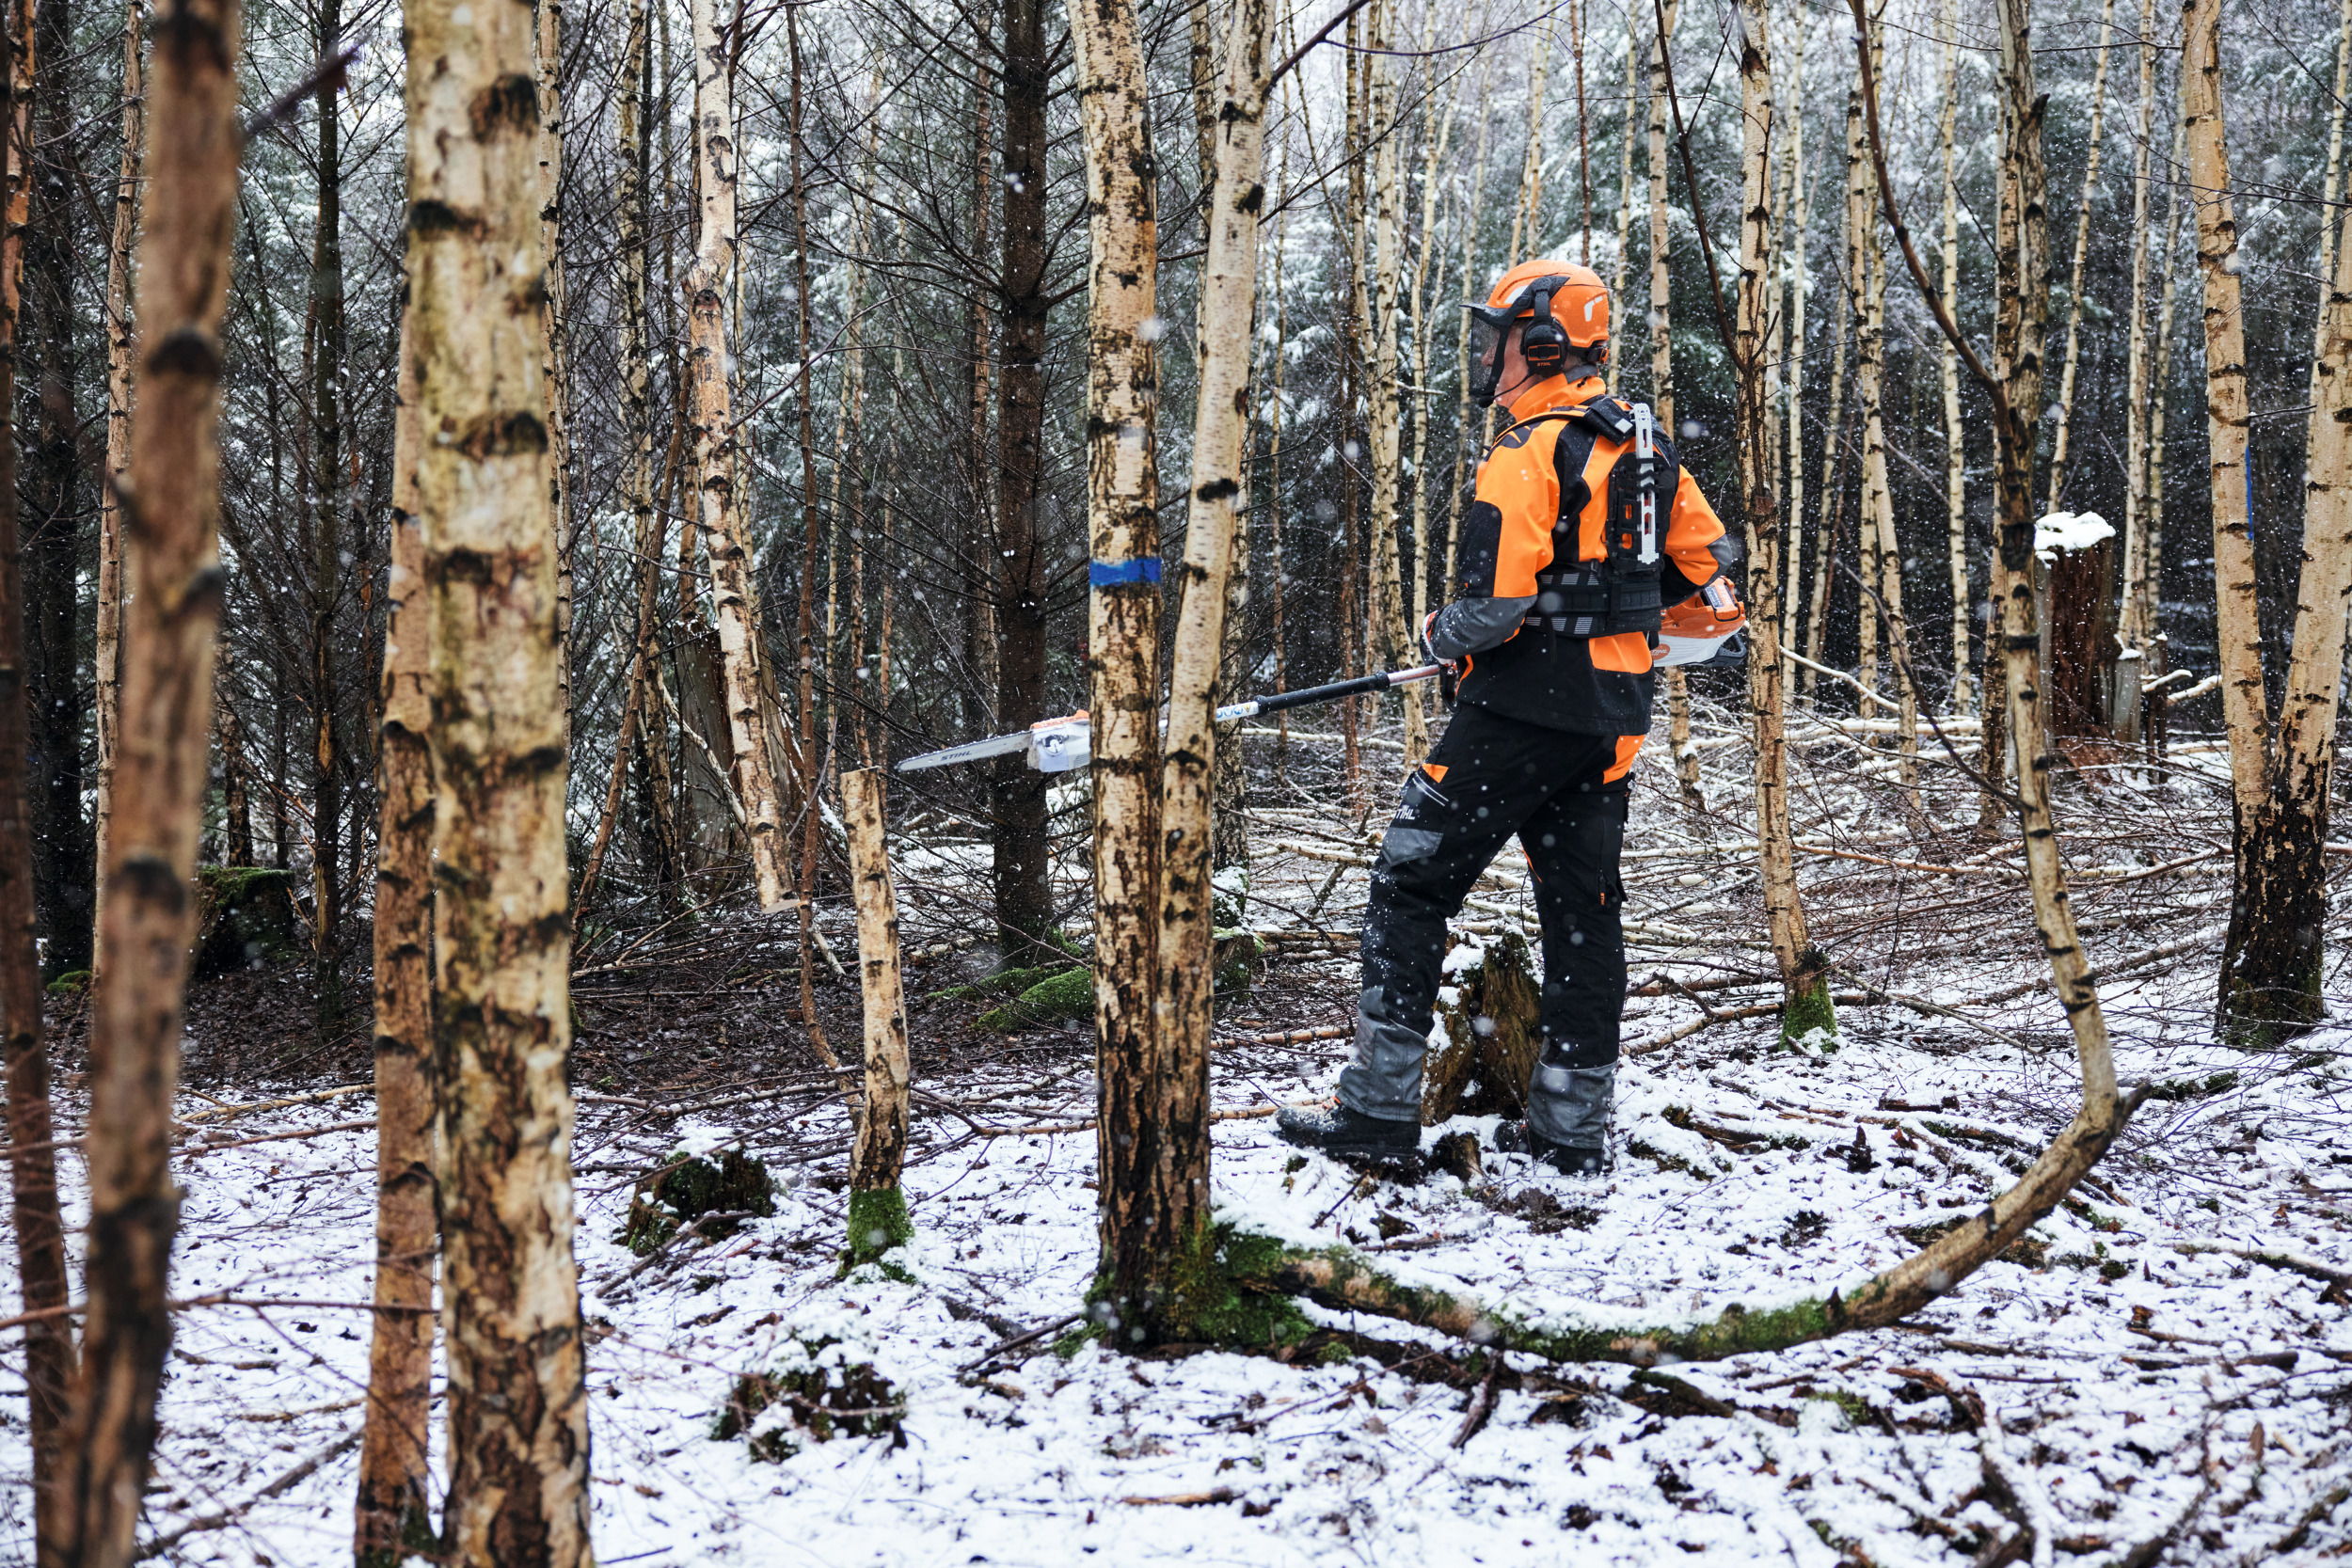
pixel 1542 342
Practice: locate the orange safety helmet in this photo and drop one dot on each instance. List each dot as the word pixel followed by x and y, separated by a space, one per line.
pixel 1559 303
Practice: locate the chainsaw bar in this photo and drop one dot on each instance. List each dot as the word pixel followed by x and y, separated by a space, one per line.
pixel 971 750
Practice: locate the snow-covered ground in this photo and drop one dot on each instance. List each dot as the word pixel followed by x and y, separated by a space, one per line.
pixel 2137 1382
pixel 2131 1386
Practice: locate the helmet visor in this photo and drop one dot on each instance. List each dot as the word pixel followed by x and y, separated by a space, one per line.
pixel 1489 330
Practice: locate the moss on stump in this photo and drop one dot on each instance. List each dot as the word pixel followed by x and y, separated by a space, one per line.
pixel 1206 1296
pixel 687 1188
pixel 1809 1022
pixel 1060 997
pixel 879 1222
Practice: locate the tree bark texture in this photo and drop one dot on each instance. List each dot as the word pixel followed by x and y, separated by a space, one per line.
pixel 1144 1188
pixel 49 1351
pixel 394 1514
pixel 52 492
pixel 170 517
pixel 325 462
pixel 1219 503
pixel 121 292
pixel 1955 440
pixel 2137 624
pixel 735 603
pixel 648 526
pixel 1025 900
pixel 1804 985
pixel 2058 443
pixel 2272 952
pixel 517 1407
pixel 882 1125
pixel 1661 393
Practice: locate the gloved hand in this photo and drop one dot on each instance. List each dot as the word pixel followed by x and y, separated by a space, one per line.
pixel 1428 626
pixel 1451 672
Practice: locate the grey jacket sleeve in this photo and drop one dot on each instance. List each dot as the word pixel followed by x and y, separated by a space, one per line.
pixel 1473 625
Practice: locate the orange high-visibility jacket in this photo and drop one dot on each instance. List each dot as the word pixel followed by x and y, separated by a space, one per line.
pixel 1544 482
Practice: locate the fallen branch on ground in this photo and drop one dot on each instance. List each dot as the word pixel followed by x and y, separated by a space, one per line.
pixel 1346 1280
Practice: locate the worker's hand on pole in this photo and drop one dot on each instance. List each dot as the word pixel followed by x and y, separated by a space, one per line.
pixel 1428 627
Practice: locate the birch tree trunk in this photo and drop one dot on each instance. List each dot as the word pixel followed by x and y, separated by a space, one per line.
pixel 517 1400
pixel 636 376
pixel 1527 219
pixel 1955 438
pixel 547 65
pixel 1806 1009
pixel 2082 252
pixel 1150 1205
pixel 1869 330
pixel 49 1352
pixel 1466 427
pixel 1382 421
pixel 121 292
pixel 1661 394
pixel 1800 288
pixel 814 746
pixel 1833 494
pixel 1417 609
pixel 2014 386
pixel 878 1207
pixel 735 602
pixel 2160 377
pixel 393 1515
pixel 1025 900
pixel 1881 552
pixel 171 615
pixel 2272 955
pixel 1219 503
pixel 1632 134
pixel 2283 884
pixel 1686 758
pixel 2135 624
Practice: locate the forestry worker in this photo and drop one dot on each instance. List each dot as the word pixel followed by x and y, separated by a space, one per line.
pixel 1584 535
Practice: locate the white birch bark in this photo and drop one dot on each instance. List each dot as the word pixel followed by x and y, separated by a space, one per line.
pixel 2058 444
pixel 710 373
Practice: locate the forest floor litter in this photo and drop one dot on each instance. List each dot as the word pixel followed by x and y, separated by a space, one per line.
pixel 2164 1367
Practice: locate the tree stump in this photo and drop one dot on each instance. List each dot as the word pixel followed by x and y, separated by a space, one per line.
pixel 1493 1036
pixel 2081 610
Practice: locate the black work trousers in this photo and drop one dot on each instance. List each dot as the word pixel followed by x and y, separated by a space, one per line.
pixel 1488 779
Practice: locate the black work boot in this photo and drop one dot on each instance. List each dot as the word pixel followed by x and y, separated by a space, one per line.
pixel 1352 1134
pixel 1517 1137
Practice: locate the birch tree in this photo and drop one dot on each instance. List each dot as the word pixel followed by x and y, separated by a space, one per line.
pixel 1149 1195
pixel 517 1405
pixel 2075 271
pixel 877 1206
pixel 394 1512
pixel 734 597
pixel 2272 955
pixel 2136 624
pixel 1955 438
pixel 121 289
pixel 171 515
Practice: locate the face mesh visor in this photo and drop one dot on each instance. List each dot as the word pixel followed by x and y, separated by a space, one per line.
pixel 1488 329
